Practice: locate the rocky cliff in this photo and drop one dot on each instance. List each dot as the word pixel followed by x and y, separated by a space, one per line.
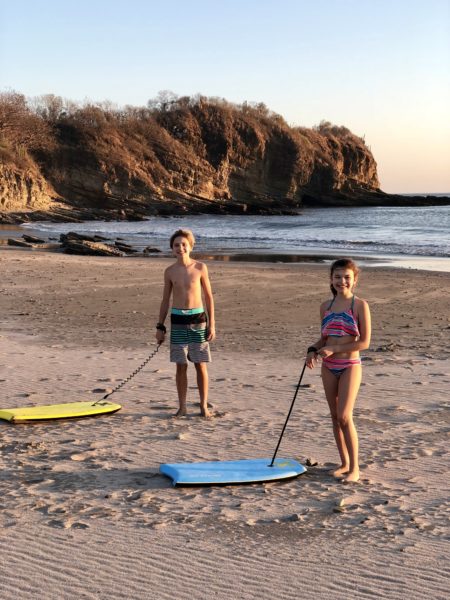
pixel 186 155
pixel 23 189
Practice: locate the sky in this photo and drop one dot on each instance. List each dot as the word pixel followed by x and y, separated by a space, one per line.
pixel 379 67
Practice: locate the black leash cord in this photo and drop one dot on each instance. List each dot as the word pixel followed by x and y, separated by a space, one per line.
pixel 289 414
pixel 122 383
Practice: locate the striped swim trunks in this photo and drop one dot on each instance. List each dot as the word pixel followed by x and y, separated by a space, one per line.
pixel 188 336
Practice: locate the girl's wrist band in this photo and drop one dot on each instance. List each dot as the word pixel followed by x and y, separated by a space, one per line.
pixel 312 349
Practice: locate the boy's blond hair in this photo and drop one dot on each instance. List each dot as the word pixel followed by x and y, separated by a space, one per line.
pixel 186 233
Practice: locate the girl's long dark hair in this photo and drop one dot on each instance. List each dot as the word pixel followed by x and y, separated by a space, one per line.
pixel 343 263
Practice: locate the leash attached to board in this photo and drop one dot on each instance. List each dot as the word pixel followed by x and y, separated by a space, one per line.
pixel 289 414
pixel 122 383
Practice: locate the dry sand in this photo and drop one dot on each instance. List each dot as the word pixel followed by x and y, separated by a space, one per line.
pixel 84 511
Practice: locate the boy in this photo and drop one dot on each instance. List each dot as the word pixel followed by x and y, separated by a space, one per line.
pixel 191 327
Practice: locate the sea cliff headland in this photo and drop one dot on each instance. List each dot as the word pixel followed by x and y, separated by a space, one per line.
pixel 62 161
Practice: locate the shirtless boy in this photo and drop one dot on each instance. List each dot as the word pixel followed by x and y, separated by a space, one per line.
pixel 192 328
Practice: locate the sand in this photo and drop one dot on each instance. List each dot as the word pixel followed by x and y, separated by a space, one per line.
pixel 84 511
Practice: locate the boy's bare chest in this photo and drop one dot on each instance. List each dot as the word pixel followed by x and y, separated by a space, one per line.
pixel 186 278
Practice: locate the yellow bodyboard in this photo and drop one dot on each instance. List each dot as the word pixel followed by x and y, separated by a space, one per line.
pixel 57 411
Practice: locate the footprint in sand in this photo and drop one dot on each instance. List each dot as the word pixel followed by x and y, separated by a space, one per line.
pixel 78 525
pixel 101 391
pixel 426 452
pixel 133 496
pixel 82 456
pixel 219 415
pixel 59 524
pixel 97 512
pixel 145 420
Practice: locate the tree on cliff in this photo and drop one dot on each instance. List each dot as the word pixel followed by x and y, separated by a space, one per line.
pixel 20 128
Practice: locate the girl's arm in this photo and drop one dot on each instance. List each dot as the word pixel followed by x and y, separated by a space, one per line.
pixel 365 332
pixel 311 356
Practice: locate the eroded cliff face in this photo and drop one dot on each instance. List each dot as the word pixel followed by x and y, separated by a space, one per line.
pixel 23 190
pixel 197 156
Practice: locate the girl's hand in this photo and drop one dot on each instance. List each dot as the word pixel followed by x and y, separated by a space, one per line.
pixel 326 351
pixel 311 360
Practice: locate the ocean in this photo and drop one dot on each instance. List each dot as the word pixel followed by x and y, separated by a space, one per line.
pixel 403 236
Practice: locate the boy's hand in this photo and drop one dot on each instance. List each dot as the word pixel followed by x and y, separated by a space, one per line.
pixel 211 334
pixel 160 336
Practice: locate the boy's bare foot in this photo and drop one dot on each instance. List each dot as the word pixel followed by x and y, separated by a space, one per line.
pixel 340 472
pixel 181 412
pixel 352 477
pixel 204 412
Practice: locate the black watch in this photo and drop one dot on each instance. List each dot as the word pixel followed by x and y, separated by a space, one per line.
pixel 161 327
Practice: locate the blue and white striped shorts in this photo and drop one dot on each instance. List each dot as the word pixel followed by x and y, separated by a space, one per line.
pixel 188 336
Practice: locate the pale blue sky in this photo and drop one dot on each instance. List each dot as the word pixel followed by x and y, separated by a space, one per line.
pixel 379 67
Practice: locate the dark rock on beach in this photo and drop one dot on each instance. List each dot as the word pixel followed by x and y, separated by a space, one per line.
pixel 73 235
pixel 28 241
pixel 74 246
pixel 19 242
pixel 31 239
pixel 150 250
pixel 77 243
pixel 80 243
pixel 126 248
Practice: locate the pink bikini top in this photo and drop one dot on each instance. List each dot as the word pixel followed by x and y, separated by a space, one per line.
pixel 340 324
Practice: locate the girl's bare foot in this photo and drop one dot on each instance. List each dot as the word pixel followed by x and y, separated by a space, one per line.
pixel 352 477
pixel 205 413
pixel 340 472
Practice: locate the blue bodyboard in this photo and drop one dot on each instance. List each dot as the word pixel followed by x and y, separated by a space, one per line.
pixel 233 471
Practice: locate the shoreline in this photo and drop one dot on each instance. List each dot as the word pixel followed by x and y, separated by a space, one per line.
pixel 420 263
pixel 248 249
pixel 190 204
pixel 416 263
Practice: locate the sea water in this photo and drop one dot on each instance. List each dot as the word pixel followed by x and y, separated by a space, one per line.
pixel 378 232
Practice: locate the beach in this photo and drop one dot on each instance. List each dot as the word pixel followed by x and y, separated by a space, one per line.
pixel 85 512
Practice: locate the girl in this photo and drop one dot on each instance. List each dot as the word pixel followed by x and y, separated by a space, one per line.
pixel 346 330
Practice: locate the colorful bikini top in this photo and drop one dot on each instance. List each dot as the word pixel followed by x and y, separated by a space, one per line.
pixel 339 324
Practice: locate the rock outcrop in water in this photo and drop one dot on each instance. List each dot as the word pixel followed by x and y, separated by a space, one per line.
pixel 60 161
